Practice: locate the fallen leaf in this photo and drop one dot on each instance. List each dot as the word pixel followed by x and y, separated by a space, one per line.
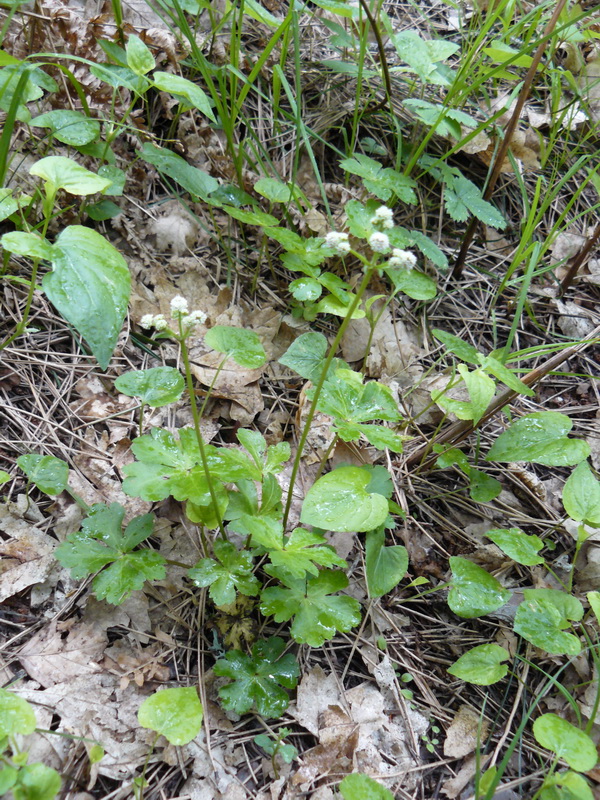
pixel 27 553
pixel 467 731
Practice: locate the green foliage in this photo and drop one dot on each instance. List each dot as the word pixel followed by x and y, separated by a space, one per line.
pixel 60 172
pixel 195 181
pixel 69 127
pixel 157 386
pixel 341 501
pixel 316 612
pixel 384 183
pixel 481 665
pixel 174 713
pixel 259 680
pixel 306 355
pixel 474 592
pixel 36 782
pixel 276 747
pixel 581 495
pixel 517 545
pixel 566 786
pixel 48 473
pixel 482 487
pixel 358 786
pixel 242 345
pixel 481 389
pixel 540 438
pixel 269 460
pixel 139 57
pixel 424 56
pixel 102 542
pixel 16 715
pixel 384 566
pixel 544 615
pixel 566 741
pixel 232 571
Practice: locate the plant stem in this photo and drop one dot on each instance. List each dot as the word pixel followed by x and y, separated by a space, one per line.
pixel 370 268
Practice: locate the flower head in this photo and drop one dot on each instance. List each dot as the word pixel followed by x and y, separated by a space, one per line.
pixel 179 306
pixel 384 216
pixel 147 321
pixel 402 258
pixel 160 323
pixel 379 242
pixel 338 242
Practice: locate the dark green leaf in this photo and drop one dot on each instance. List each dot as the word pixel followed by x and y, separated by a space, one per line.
pixel 481 665
pixel 581 495
pixel 306 355
pixel 474 592
pixel 517 545
pixel 540 438
pixel 157 386
pixel 193 180
pixel 234 572
pixel 48 473
pixel 384 566
pixel 542 618
pixel 128 574
pixel 70 127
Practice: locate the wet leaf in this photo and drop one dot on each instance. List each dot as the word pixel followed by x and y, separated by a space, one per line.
pixel 175 713
pixel 568 742
pixel 581 495
pixel 48 473
pixel 242 345
pixel 481 665
pixel 474 592
pixel 517 545
pixel 157 386
pixel 16 715
pixel 385 566
pixel 232 572
pixel 340 501
pixel 540 438
pixel 544 615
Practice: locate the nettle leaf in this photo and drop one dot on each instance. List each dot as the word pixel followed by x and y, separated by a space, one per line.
pixel 169 466
pixel 306 355
pixel 16 715
pixel 101 541
pixel 233 573
pixel 193 180
pixel 581 495
pixel 240 344
pixel 70 127
pixel 565 740
pixel 481 389
pixel 90 286
pixel 474 592
pixel 384 566
pixel 540 438
pixel 317 613
pixel 542 618
pixel 298 553
pixel 48 473
pixel 341 501
pixel 188 93
pixel 157 386
pixel 481 665
pixel 258 680
pixel 174 713
pixel 64 173
pixel 463 198
pixel 517 545
pixel 358 786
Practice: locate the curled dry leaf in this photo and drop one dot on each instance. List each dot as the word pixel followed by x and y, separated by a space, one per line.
pixel 27 553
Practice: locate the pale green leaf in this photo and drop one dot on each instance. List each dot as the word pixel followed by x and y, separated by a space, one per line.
pixel 340 501
pixel 474 592
pixel 70 127
pixel 358 786
pixel 139 58
pixel 48 473
pixel 581 495
pixel 384 566
pixel 540 438
pixel 189 92
pixel 566 741
pixel 481 665
pixel 517 545
pixel 157 386
pixel 240 344
pixel 16 715
pixel 64 173
pixel 175 713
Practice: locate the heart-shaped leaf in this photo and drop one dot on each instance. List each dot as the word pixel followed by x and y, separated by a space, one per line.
pixel 385 566
pixel 567 741
pixel 49 474
pixel 242 345
pixel 157 386
pixel 544 615
pixel 339 501
pixel 175 713
pixel 63 173
pixel 581 495
pixel 16 715
pixel 481 665
pixel 540 438
pixel 360 787
pixel 474 591
pixel 517 545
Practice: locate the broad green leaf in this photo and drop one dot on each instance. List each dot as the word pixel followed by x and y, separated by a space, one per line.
pixel 581 495
pixel 463 198
pixel 306 355
pixel 8 204
pixel 517 545
pixel 332 305
pixel 157 386
pixel 118 76
pixel 383 183
pixel 274 190
pixel 481 389
pixel 422 55
pixel 8 778
pixel 593 599
pixel 174 713
pixel 540 438
pixel 128 574
pixel 428 247
pixel 4 477
pixel 306 289
pixel 413 283
pixel 27 244
pixel 64 173
pixel 566 741
pixel 348 400
pixel 544 615
pixel 464 350
pixel 446 121
pixel 384 566
pixel 482 487
pixel 380 437
pixel 474 592
pixel 90 286
pixel 258 680
pixel 70 127
pixel 16 715
pixel 269 459
pixel 233 572
pixel 240 344
pixel 103 210
pixel 260 218
pixel 358 786
pixel 566 786
pixel 139 58
pixel 116 177
pixel 317 612
pixel 48 473
pixel 481 665
pixel 507 376
pixel 37 782
pixel 340 501
pixel 193 180
pixel 187 91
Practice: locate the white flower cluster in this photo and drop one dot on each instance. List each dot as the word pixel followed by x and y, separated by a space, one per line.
pixel 179 311
pixel 338 242
pixel 379 242
pixel 384 216
pixel 402 258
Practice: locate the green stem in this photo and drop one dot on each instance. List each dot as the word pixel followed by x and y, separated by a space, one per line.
pixel 199 437
pixel 318 388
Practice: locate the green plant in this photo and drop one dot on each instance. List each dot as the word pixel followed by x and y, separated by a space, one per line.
pixel 275 747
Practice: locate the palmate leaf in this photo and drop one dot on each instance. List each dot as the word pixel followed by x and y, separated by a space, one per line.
pixel 128 574
pixel 317 613
pixel 258 680
pixel 232 572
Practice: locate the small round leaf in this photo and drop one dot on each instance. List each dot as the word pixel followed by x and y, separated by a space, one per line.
pixel 157 386
pixel 340 501
pixel 175 713
pixel 568 742
pixel 16 715
pixel 474 591
pixel 481 665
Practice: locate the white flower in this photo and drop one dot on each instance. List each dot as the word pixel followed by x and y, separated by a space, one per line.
pixel 196 318
pixel 159 322
pixel 402 258
pixel 338 242
pixel 179 306
pixel 379 242
pixel 384 216
pixel 147 321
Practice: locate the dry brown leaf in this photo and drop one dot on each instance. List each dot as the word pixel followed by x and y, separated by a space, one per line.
pixel 27 553
pixel 467 731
